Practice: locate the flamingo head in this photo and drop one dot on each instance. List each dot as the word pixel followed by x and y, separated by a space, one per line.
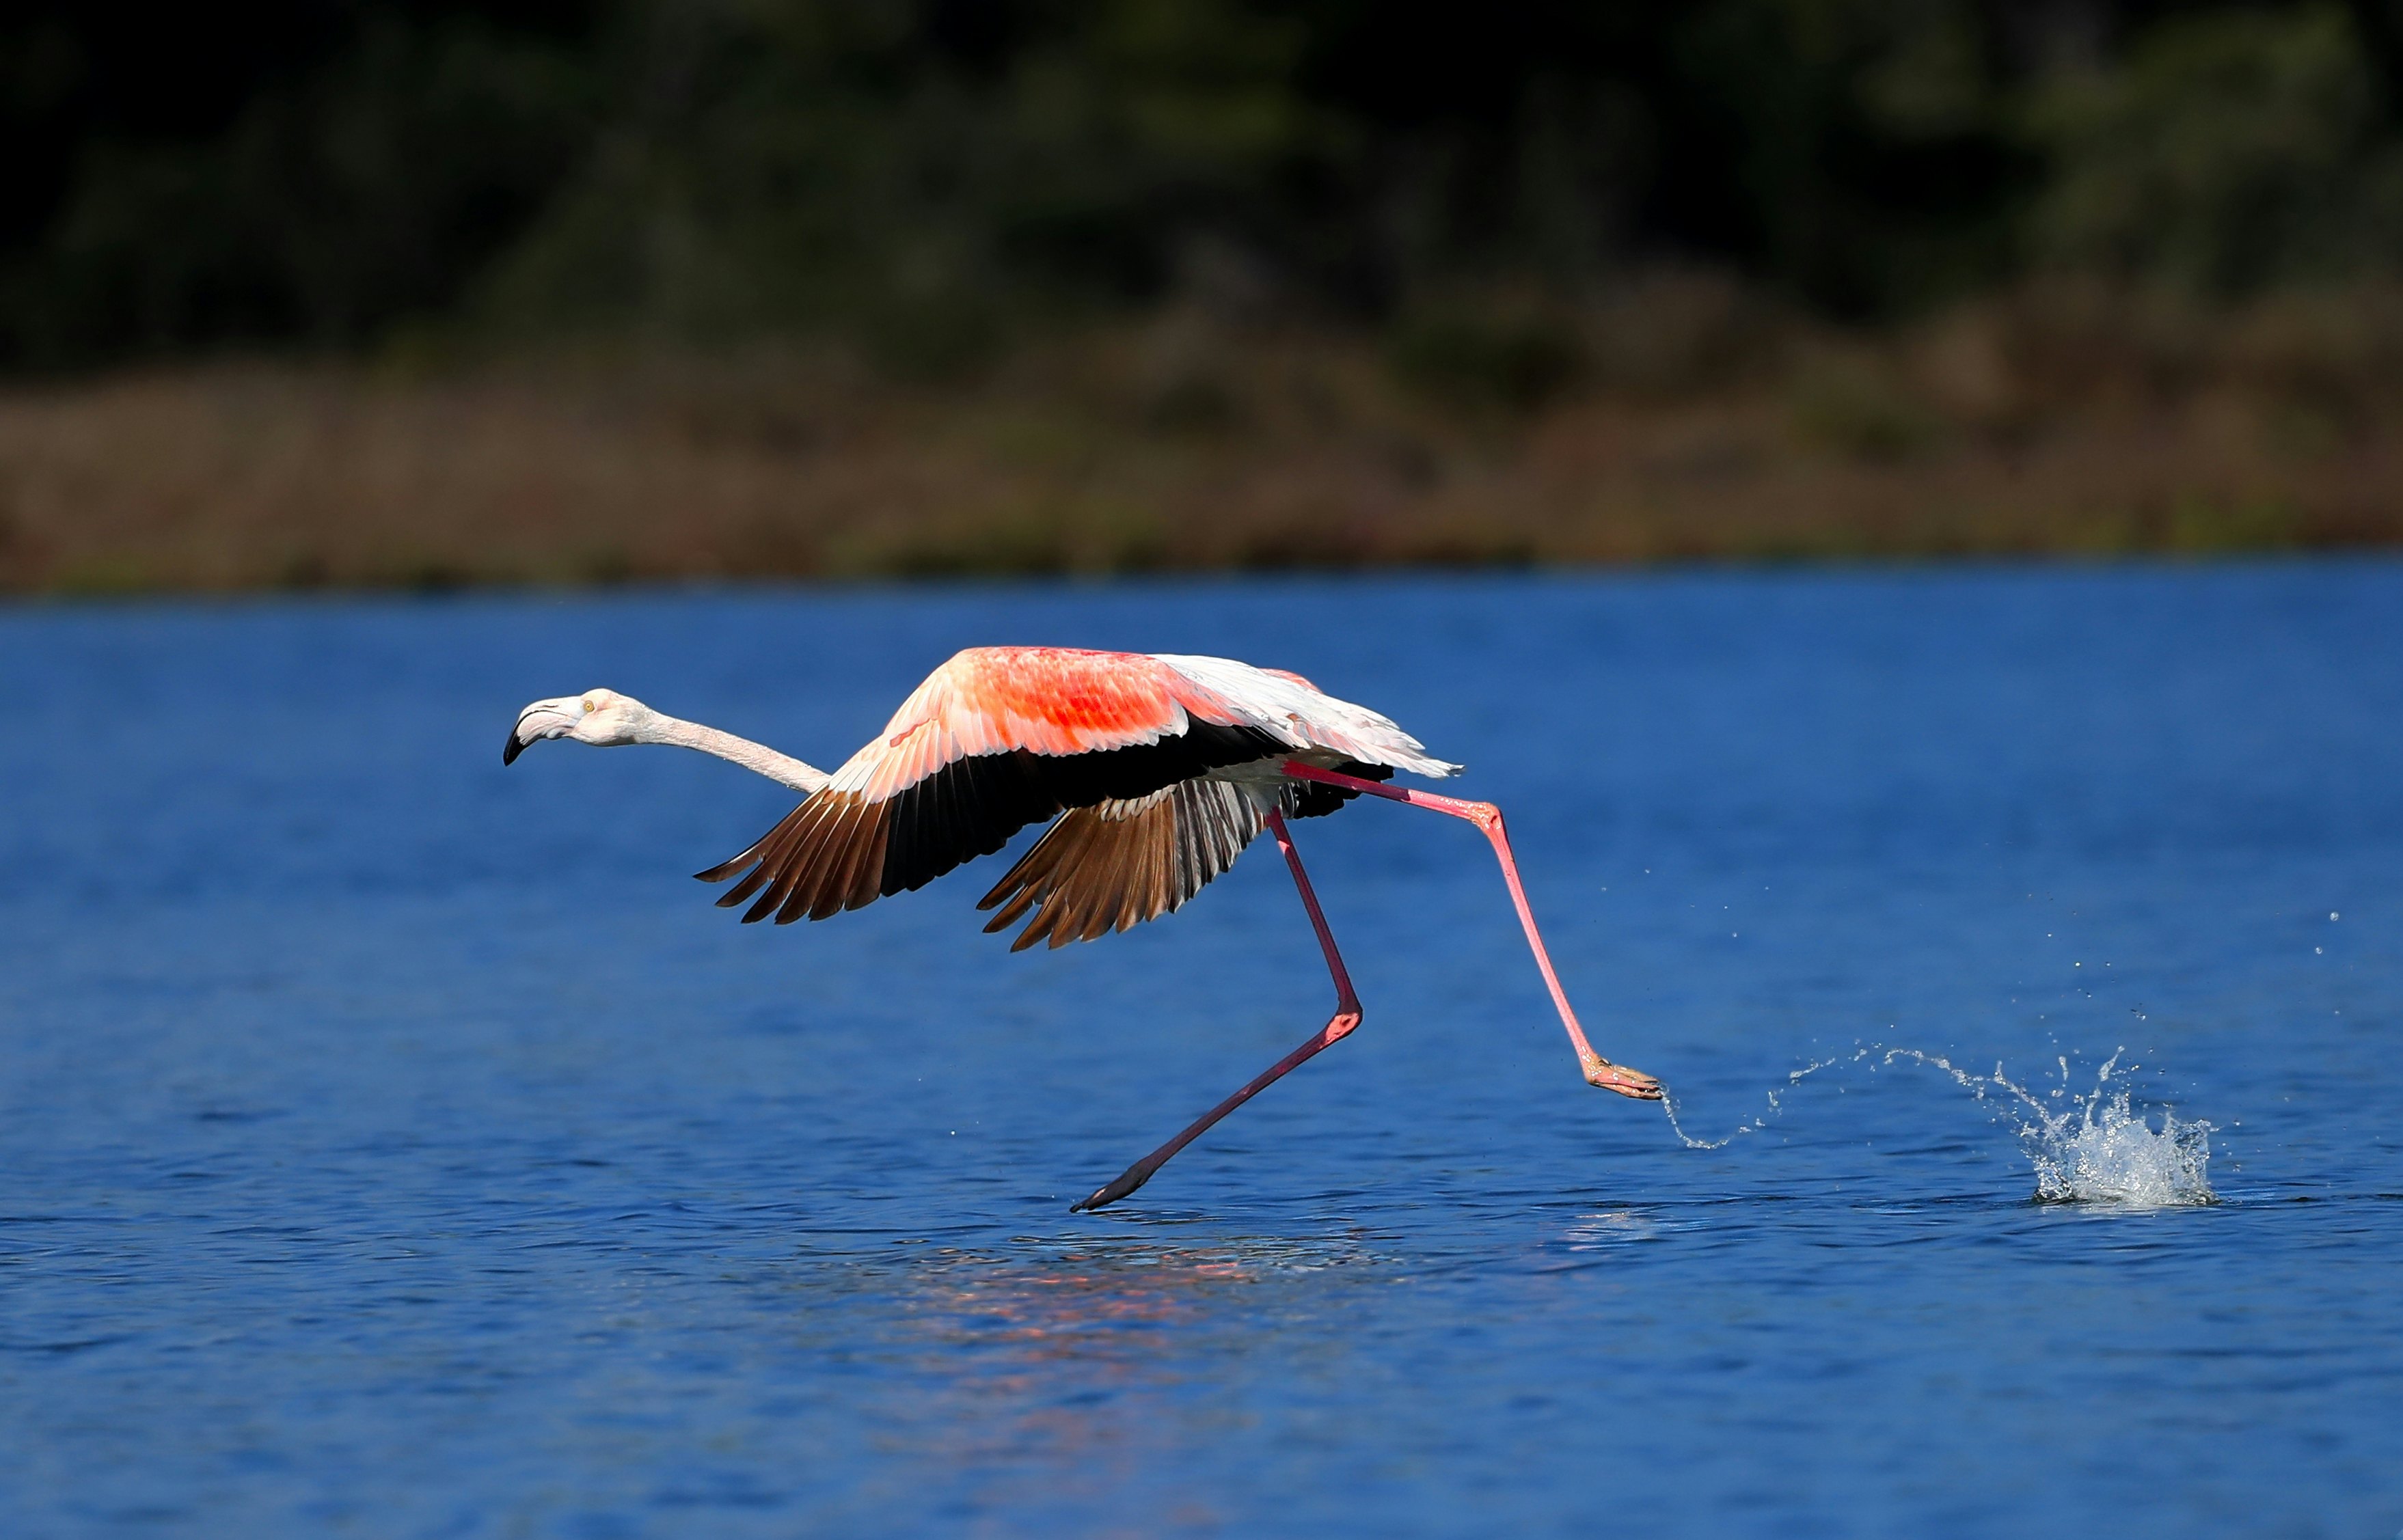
pixel 602 718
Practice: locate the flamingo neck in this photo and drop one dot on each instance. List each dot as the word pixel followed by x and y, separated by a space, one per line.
pixel 781 768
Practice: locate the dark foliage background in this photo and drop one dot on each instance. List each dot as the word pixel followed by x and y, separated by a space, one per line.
pixel 929 176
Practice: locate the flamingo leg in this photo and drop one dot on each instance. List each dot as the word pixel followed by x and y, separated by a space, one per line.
pixel 1339 1027
pixel 1485 815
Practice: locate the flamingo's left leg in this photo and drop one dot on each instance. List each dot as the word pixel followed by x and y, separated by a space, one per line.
pixel 1486 816
pixel 1339 1027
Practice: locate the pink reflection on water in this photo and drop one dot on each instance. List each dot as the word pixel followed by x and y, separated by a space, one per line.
pixel 1072 1375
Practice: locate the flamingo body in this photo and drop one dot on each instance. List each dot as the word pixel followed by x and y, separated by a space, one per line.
pixel 999 738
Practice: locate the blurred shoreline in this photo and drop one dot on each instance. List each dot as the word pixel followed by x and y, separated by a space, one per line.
pixel 390 297
pixel 1686 421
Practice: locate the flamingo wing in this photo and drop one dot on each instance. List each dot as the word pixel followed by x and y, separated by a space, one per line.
pixel 1119 864
pixel 998 737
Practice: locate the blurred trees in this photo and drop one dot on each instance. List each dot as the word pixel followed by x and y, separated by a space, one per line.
pixel 2229 151
pixel 181 177
pixel 927 175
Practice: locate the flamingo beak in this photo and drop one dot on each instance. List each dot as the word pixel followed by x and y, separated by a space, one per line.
pixel 543 719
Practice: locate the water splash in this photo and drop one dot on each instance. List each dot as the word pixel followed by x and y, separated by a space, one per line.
pixel 2093 1146
pixel 1767 1116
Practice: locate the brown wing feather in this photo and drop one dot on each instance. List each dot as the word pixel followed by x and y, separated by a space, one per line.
pixel 1119 864
pixel 822 857
pixel 789 860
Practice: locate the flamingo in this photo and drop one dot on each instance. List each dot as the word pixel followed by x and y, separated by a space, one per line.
pixel 1159 770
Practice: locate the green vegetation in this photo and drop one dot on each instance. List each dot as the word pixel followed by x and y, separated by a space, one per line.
pixel 1393 281
pixel 938 179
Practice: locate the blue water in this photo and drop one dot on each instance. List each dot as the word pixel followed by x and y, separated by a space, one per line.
pixel 394 1145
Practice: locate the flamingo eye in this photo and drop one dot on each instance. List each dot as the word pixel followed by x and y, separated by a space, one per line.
pixel 590 705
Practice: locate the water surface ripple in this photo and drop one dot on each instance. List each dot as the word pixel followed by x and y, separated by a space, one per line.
pixel 394 1145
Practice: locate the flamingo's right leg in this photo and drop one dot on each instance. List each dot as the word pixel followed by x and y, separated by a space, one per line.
pixel 1339 1027
pixel 1488 818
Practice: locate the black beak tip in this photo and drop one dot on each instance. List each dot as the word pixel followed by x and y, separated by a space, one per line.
pixel 510 750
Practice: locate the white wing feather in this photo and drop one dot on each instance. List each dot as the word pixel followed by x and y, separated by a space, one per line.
pixel 1305 718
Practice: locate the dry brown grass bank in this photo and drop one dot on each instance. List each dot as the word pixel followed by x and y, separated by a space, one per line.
pixel 1682 423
